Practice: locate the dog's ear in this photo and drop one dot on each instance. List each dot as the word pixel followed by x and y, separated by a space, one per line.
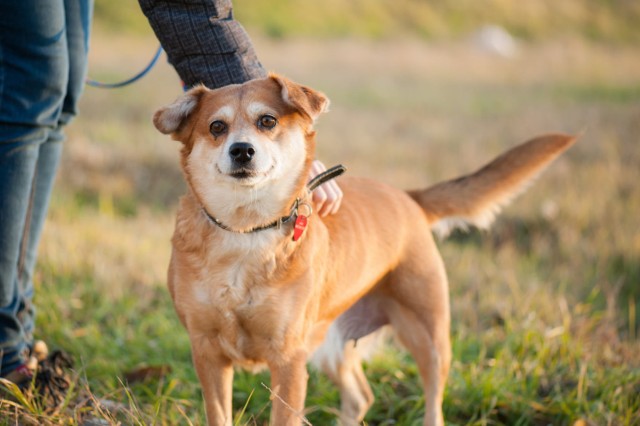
pixel 306 100
pixel 170 119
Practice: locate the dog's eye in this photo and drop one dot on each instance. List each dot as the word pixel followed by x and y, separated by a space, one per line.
pixel 218 127
pixel 267 122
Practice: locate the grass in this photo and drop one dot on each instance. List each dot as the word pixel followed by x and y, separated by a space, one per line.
pixel 545 305
pixel 611 21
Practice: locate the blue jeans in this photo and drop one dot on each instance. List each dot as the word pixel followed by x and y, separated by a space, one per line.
pixel 43 58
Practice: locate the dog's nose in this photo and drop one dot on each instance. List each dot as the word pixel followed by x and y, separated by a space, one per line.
pixel 241 152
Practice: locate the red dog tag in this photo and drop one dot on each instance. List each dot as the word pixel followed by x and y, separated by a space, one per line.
pixel 299 227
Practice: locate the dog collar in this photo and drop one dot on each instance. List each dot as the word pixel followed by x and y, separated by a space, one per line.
pixel 276 224
pixel 323 177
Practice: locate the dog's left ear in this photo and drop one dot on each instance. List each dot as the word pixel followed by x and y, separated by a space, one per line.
pixel 306 100
pixel 171 118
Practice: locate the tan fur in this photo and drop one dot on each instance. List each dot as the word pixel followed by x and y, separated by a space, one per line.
pixel 252 299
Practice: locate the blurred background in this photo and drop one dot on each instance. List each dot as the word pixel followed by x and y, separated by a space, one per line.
pixel 545 305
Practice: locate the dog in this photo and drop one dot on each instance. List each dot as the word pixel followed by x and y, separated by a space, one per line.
pixel 255 287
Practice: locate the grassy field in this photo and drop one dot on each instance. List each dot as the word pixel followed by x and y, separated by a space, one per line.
pixel 545 305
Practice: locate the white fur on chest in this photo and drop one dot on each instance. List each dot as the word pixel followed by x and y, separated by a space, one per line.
pixel 234 262
pixel 229 298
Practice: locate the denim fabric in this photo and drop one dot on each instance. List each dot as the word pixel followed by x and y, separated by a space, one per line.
pixel 43 56
pixel 203 41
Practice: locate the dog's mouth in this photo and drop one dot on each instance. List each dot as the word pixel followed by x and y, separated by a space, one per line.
pixel 245 174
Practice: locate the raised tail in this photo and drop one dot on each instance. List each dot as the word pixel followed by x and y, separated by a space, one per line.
pixel 475 199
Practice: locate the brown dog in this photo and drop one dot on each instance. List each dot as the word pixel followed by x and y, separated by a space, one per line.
pixel 251 295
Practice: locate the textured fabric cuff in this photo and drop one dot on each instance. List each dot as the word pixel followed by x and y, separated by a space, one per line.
pixel 203 42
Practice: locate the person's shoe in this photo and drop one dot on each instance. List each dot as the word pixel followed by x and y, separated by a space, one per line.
pixel 44 376
pixel 22 375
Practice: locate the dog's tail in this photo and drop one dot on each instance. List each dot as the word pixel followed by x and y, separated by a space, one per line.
pixel 475 199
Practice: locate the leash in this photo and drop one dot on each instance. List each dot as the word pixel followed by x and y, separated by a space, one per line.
pixel 94 83
pixel 300 219
pixel 325 176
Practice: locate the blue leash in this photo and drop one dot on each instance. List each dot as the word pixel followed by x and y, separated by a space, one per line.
pixel 94 83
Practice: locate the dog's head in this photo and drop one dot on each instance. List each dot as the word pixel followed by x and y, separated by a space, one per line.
pixel 245 146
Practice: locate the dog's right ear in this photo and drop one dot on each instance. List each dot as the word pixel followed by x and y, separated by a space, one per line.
pixel 306 100
pixel 171 118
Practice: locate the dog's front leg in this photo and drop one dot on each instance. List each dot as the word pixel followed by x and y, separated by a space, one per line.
pixel 215 372
pixel 289 389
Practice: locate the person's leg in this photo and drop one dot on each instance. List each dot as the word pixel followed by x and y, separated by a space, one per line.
pixel 78 23
pixel 43 178
pixel 17 167
pixel 33 80
pixel 39 87
pixel 78 15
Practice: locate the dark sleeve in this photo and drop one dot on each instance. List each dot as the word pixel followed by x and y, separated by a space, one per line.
pixel 203 42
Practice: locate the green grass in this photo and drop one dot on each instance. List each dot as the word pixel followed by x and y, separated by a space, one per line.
pixel 545 305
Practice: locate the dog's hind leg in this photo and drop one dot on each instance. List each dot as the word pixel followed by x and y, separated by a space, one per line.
pixel 418 310
pixel 342 362
pixel 432 360
pixel 356 396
